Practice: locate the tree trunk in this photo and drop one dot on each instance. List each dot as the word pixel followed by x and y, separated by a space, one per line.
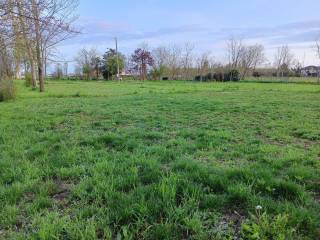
pixel 38 45
pixel 33 75
pixel 28 46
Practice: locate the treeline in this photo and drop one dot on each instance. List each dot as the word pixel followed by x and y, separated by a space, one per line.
pixel 184 63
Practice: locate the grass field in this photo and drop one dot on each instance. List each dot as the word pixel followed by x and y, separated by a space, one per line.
pixel 302 80
pixel 161 160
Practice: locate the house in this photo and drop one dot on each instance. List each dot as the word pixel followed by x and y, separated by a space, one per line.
pixel 310 71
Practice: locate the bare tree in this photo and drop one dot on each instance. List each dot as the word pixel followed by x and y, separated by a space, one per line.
pixel 235 50
pixel 244 57
pixel 25 26
pixel 86 62
pixel 203 64
pixel 42 24
pixel 187 60
pixel 283 60
pixel 296 67
pixel 317 48
pixel 160 66
pixel 250 57
pixel 174 61
pixel 6 42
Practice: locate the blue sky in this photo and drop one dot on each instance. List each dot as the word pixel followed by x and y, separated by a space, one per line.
pixel 205 23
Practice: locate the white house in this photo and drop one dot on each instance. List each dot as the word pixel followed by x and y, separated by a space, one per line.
pixel 310 71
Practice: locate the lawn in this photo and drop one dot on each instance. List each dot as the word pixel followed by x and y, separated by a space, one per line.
pixel 161 160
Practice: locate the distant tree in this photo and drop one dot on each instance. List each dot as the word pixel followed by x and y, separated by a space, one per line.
pixel 244 58
pixel 283 60
pixel 142 59
pixel 296 67
pixel 203 65
pixel 110 63
pixel 160 66
pixel 58 73
pixel 86 62
pixel 97 65
pixel 175 61
pixel 250 57
pixel 187 60
pixel 235 49
pixel 157 73
pixel 317 47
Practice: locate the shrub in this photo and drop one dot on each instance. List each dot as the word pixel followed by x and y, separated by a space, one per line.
pixel 7 90
pixel 28 79
pixel 263 226
pixel 256 74
pixel 218 76
pixel 209 77
pixel 233 75
pixel 197 78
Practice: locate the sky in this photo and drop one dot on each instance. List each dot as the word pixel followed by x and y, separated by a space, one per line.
pixel 207 24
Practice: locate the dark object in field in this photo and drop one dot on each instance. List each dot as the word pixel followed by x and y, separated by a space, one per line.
pixel 256 74
pixel 232 75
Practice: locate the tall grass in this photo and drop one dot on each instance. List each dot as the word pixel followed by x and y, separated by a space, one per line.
pixel 7 89
pixel 28 79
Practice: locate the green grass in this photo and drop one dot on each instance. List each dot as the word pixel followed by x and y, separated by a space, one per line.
pixel 302 80
pixel 160 160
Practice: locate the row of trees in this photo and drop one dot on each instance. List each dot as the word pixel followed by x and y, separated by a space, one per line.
pixel 29 32
pixel 90 65
pixel 182 62
pixel 172 62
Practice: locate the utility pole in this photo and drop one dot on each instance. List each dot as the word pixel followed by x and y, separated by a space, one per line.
pixel 118 68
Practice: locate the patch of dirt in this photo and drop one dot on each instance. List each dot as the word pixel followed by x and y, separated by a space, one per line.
pixel 29 197
pixel 308 144
pixel 232 220
pixel 62 195
pixel 269 141
pixel 63 192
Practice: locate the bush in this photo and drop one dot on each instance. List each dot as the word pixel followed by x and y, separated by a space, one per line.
pixel 209 77
pixel 197 78
pixel 263 226
pixel 7 90
pixel 218 76
pixel 233 75
pixel 28 79
pixel 256 74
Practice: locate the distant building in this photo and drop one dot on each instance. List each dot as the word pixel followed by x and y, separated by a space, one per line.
pixel 310 71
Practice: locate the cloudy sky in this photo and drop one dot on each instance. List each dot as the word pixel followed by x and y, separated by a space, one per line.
pixel 205 23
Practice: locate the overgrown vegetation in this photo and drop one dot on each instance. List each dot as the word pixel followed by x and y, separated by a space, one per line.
pixel 7 90
pixel 160 160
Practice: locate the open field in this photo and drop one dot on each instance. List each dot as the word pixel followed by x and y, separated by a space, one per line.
pixel 161 160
